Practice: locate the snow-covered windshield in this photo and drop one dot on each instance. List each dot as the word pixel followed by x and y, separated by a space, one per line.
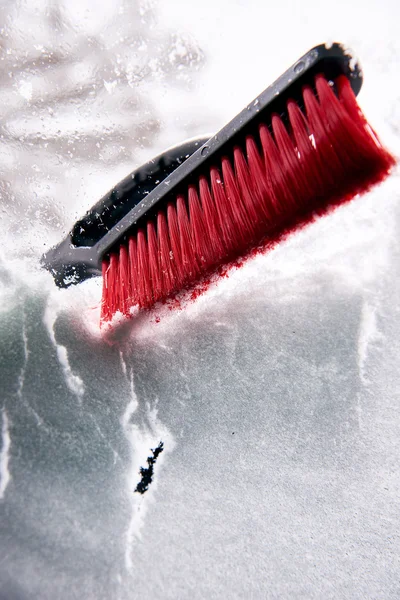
pixel 246 446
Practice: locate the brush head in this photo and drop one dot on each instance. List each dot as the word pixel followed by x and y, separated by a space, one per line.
pixel 140 195
pixel 302 146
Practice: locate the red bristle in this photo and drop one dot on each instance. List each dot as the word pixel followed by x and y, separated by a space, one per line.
pixel 173 229
pixel 210 218
pixel 113 283
pixel 309 157
pixel 327 151
pixel 133 270
pixel 168 270
pixel 259 177
pixel 293 178
pixel 106 313
pixel 201 243
pixel 154 261
pixel 241 217
pixel 316 157
pixel 124 279
pixel 346 134
pixel 145 294
pixel 348 98
pixel 349 101
pixel 356 142
pixel 189 262
pixel 227 226
pixel 252 198
pixel 279 196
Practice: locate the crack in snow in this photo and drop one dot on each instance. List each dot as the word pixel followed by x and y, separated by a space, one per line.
pixel 5 475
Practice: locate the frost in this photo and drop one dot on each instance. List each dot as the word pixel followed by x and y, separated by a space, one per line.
pixel 25 88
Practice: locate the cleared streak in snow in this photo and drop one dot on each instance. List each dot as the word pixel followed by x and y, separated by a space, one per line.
pixel 123 364
pixel 105 439
pixel 21 376
pixel 4 454
pixel 368 334
pixel 74 382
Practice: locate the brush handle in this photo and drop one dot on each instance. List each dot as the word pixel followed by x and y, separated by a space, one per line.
pixel 76 258
pixel 108 211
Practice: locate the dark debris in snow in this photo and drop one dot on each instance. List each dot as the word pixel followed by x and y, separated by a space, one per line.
pixel 148 472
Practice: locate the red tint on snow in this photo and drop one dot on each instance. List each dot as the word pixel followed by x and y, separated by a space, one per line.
pixel 279 181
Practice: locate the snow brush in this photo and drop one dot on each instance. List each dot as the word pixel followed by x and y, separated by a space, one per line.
pixel 299 148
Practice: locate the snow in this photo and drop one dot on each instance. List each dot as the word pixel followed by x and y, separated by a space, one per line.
pixel 274 394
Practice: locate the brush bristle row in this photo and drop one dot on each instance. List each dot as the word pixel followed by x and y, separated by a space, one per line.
pixel 323 154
